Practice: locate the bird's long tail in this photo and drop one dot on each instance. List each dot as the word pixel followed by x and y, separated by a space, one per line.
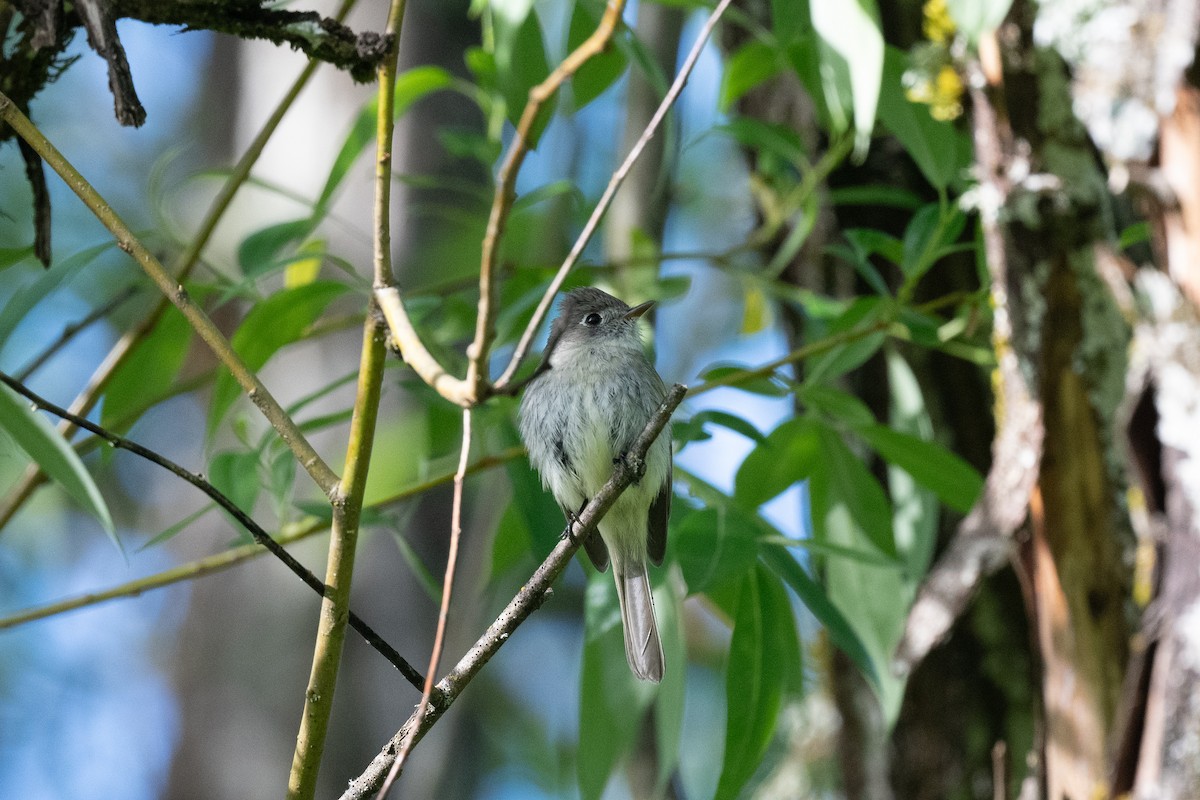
pixel 643 648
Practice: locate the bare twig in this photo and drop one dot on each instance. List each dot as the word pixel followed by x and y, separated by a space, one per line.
pixel 614 183
pixel 531 595
pixel 439 640
pixel 474 388
pixel 260 536
pixel 74 329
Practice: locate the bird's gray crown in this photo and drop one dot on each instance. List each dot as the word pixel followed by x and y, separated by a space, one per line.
pixel 588 313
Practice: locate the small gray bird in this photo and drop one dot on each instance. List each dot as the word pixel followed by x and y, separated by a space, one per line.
pixel 592 395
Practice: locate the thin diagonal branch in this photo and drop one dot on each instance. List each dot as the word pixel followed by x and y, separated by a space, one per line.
pixel 183 267
pixel 308 457
pixel 474 388
pixel 506 180
pixel 614 183
pixel 532 594
pixel 260 536
pixel 439 639
pixel 74 329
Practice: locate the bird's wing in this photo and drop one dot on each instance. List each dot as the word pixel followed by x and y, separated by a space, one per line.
pixel 660 515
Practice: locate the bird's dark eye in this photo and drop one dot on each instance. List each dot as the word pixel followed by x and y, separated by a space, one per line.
pixel 592 319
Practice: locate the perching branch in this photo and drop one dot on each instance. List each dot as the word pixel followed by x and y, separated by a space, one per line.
pixel 260 536
pixel 614 183
pixel 308 457
pixel 532 594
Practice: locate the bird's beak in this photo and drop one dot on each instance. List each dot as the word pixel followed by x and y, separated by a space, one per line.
pixel 637 311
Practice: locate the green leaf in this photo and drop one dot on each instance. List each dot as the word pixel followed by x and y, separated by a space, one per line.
pixel 841 633
pixel 34 434
pixel 939 150
pixel 235 474
pixel 885 196
pixel 428 581
pixel 669 698
pixel 542 516
pixel 273 323
pixel 851 63
pixel 178 527
pixel 955 482
pixel 730 421
pixel 766 137
pixel 846 496
pixel 977 17
pixel 841 406
pixel 845 357
pixel 929 233
pixel 713 546
pixel 753 64
pixel 261 250
pixel 1135 234
pixel 792 452
pixel 764 659
pixel 850 510
pixel 869 242
pixel 148 372
pixel 611 700
pixel 11 256
pixel 520 55
pixel 22 302
pixel 600 71
pixel 916 510
pixel 788 19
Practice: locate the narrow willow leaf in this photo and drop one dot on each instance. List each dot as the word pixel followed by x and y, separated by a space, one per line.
pixel 764 658
pixel 611 700
pixel 955 482
pixel 841 633
pixel 272 324
pixel 34 434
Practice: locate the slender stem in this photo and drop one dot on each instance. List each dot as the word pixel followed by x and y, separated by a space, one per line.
pixel 228 558
pixel 384 131
pixel 348 498
pixel 506 180
pixel 74 329
pixel 308 457
pixel 614 183
pixel 260 536
pixel 439 639
pixel 531 595
pixel 339 570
